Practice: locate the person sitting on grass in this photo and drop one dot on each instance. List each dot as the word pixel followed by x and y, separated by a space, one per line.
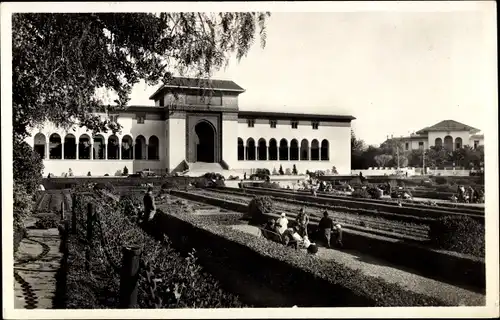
pixel 325 228
pixel 149 205
pixel 292 237
pixel 282 223
pixel 311 248
pixel 302 221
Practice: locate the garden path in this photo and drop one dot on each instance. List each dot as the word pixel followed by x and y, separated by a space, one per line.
pixel 393 274
pixel 36 264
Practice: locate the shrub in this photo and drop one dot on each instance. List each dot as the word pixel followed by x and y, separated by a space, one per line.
pixel 275 173
pixel 458 233
pixel 125 171
pixel 269 185
pixel 27 166
pixel 334 170
pixel 19 234
pixel 47 222
pixel 281 172
pixel 89 174
pixel 375 193
pixel 259 206
pixel 104 186
pixel 262 172
pixel 288 172
pixel 441 180
pixel 361 193
pixel 23 203
pixel 106 175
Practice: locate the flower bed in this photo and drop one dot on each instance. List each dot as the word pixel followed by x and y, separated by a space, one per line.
pixel 183 284
pixel 287 269
pixel 452 266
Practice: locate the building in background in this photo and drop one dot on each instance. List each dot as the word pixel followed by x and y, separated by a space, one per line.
pixel 449 134
pixel 197 124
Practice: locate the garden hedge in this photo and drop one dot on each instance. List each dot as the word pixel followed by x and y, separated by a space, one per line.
pixel 319 282
pixel 442 265
pixel 184 284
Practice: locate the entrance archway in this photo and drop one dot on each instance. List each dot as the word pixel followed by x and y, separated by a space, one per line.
pixel 205 147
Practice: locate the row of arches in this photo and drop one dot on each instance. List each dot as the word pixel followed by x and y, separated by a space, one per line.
pixel 448 143
pixel 96 147
pixel 274 151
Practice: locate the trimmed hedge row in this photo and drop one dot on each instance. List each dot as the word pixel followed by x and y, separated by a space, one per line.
pixel 288 270
pixel 66 183
pixel 183 285
pixel 366 197
pixel 442 265
pixel 428 212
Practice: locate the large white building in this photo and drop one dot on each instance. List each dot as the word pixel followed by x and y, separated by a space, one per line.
pixel 198 121
pixel 449 134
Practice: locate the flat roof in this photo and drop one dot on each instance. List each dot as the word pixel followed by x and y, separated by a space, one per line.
pixel 294 116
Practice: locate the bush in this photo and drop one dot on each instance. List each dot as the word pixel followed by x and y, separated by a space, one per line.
pixel 294 170
pixel 19 234
pixel 375 193
pixel 262 172
pixel 288 172
pixel 441 180
pixel 361 193
pixel 27 166
pixel 23 203
pixel 104 186
pixel 106 175
pixel 269 185
pixel 183 283
pixel 281 172
pixel 458 233
pixel 125 171
pixel 259 206
pixel 275 173
pixel 89 174
pixel 47 222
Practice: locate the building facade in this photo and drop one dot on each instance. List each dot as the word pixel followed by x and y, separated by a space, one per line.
pixel 449 134
pixel 198 121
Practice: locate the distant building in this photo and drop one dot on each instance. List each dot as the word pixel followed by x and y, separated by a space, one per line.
pixel 448 133
pixel 202 124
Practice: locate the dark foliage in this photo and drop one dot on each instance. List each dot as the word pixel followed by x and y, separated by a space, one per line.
pixel 47 222
pixel 27 166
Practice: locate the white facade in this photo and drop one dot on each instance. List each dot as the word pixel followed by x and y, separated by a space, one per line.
pixel 438 134
pixel 163 137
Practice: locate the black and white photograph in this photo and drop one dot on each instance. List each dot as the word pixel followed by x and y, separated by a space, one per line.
pixel 249 159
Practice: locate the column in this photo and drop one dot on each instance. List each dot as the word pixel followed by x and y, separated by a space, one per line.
pixel 105 151
pixel 77 151
pixel 47 150
pixel 309 154
pixel 62 149
pixel 147 153
pixel 267 153
pixel 91 155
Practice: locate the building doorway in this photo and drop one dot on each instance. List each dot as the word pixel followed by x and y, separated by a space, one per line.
pixel 205 147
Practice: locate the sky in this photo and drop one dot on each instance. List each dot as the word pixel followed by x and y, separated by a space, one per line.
pixel 396 72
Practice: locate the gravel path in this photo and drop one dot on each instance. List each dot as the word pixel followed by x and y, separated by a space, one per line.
pixel 390 273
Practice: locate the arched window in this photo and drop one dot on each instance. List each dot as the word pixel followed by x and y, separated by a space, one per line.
pixel 294 150
pixel 325 150
pixel 273 149
pixel 154 148
pixel 241 150
pixel 69 146
pixel 283 149
pixel 55 146
pixel 84 147
pixel 250 149
pixel 315 150
pixel 458 143
pixel 113 148
pixel 438 143
pixel 448 143
pixel 262 152
pixel 99 147
pixel 304 150
pixel 140 148
pixel 127 147
pixel 40 144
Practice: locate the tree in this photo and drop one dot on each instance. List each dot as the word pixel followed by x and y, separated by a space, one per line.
pixel 27 167
pixel 437 157
pixel 383 160
pixel 357 149
pixel 61 60
pixel 281 172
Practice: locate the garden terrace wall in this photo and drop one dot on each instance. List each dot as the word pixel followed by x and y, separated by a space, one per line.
pixel 443 265
pixel 288 270
pixel 66 183
pixel 428 212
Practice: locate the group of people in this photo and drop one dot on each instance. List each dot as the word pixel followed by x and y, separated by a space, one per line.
pixel 468 195
pixel 297 235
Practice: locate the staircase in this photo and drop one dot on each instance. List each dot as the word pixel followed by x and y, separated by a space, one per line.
pixel 197 169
